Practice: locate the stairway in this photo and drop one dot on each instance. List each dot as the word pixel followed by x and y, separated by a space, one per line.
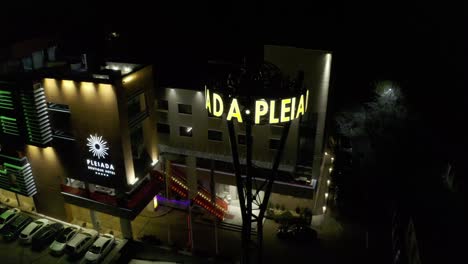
pixel 178 184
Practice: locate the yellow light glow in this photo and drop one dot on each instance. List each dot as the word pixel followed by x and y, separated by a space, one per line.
pixel 218 106
pixel 155 202
pixel 330 169
pixel 261 109
pixel 273 119
pixel 326 195
pixel 293 108
pixel 307 100
pixel 128 79
pixel 67 83
pixel 285 108
pixel 300 107
pixel 234 111
pixel 207 100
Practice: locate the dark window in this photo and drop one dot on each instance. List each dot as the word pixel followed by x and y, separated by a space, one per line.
pixel 215 135
pixel 274 143
pixel 185 109
pixel 164 128
pixel 134 106
pixel 163 105
pixel 242 139
pixel 185 131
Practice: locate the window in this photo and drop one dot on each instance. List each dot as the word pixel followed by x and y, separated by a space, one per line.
pixel 163 105
pixel 242 139
pixel 215 135
pixel 185 109
pixel 274 143
pixel 185 131
pixel 164 128
pixel 134 106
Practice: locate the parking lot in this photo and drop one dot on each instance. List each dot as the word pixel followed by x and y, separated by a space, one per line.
pixel 15 252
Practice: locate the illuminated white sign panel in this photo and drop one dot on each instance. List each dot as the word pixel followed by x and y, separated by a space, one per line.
pixel 97 146
pixel 289 108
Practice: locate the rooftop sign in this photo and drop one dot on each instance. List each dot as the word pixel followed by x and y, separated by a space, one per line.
pixel 289 108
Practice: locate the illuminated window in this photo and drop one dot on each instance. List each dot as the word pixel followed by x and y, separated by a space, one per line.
pixel 215 135
pixel 185 109
pixel 163 105
pixel 274 143
pixel 185 131
pixel 164 128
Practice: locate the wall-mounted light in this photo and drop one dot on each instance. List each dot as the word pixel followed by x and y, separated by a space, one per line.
pixel 332 159
pixel 324 209
pixel 326 153
pixel 326 195
pixel 154 162
pixel 134 181
pixel 330 169
pixel 189 129
pixel 328 182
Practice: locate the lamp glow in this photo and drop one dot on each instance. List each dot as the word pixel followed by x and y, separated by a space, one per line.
pixel 247 112
pixel 326 195
pixel 326 153
pixel 154 162
pixel 328 182
pixel 324 209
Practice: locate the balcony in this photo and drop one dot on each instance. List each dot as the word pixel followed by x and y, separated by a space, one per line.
pixel 127 206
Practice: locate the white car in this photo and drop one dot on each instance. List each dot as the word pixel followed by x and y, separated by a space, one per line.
pixel 100 248
pixel 81 241
pixel 33 227
pixel 8 216
pixel 63 237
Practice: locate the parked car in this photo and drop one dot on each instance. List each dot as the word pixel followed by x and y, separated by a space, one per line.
pixel 12 230
pixel 81 242
pixel 46 235
pixel 57 247
pixel 100 248
pixel 30 230
pixel 297 232
pixel 8 216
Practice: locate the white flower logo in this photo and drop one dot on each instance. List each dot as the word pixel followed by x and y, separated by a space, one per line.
pixel 97 146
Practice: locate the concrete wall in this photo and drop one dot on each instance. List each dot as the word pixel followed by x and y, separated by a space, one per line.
pixel 201 123
pixel 316 66
pixel 93 109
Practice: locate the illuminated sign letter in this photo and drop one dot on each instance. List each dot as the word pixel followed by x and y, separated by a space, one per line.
pixel 234 111
pixel 207 100
pixel 307 100
pixel 261 109
pixel 293 108
pixel 273 119
pixel 218 106
pixel 300 107
pixel 285 108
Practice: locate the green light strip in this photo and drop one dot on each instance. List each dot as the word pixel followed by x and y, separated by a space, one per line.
pixel 4 92
pixel 9 157
pixel 4 107
pixel 7 118
pixel 12 166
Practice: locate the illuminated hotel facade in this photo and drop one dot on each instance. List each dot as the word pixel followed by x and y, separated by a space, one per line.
pixel 95 144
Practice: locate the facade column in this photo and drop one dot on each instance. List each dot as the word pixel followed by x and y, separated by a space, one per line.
pixel 94 220
pixel 126 228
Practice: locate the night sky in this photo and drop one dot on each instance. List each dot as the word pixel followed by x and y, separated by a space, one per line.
pixel 421 46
